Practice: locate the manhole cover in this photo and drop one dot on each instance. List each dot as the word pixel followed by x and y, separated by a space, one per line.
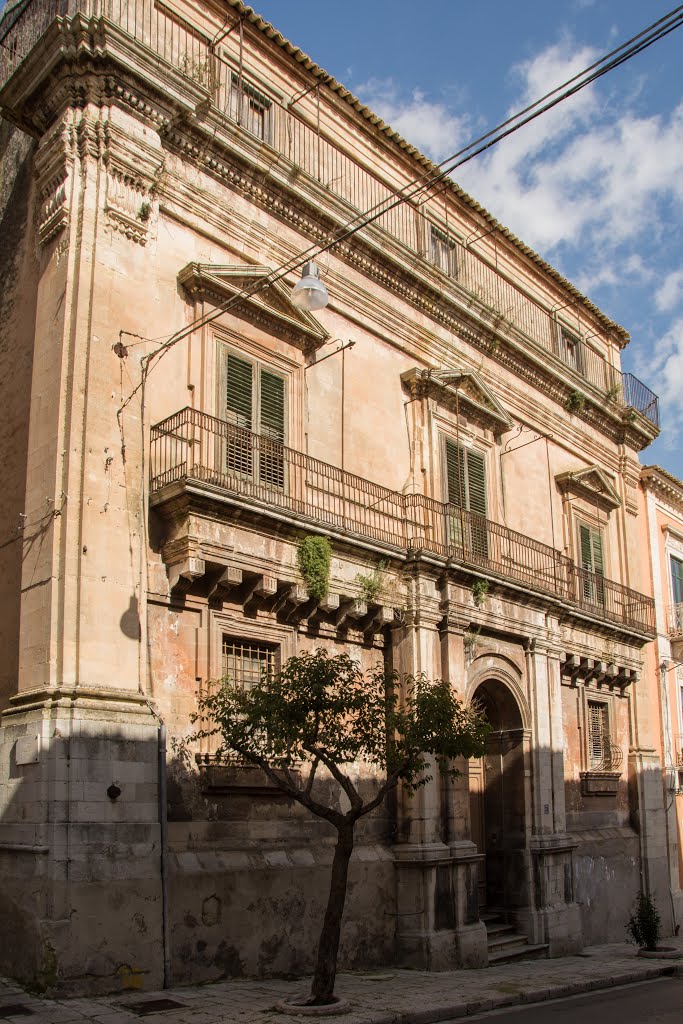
pixel 153 1006
pixel 15 1010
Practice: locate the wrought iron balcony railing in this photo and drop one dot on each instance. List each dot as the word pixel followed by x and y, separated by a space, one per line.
pixel 310 154
pixel 252 469
pixel 674 621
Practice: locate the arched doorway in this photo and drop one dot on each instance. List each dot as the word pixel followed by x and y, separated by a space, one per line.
pixel 498 801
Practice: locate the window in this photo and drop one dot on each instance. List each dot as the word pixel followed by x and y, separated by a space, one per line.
pixel 676 593
pixel 466 489
pixel 255 401
pixel 599 745
pixel 592 564
pixel 246 662
pixel 442 252
pixel 569 349
pixel 252 110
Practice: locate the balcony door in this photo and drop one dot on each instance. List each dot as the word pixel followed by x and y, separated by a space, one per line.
pixel 677 592
pixel 254 410
pixel 465 472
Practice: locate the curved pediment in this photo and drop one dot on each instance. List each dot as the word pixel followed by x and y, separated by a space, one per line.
pixel 591 483
pixel 269 307
pixel 458 389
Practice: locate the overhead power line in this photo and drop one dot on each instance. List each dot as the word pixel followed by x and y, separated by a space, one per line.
pixel 435 175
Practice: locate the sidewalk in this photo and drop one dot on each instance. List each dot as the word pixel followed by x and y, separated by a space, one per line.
pixel 377 997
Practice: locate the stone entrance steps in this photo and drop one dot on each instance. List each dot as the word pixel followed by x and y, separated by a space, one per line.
pixel 505 944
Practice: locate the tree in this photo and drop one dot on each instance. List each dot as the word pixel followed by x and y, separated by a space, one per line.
pixel 323 711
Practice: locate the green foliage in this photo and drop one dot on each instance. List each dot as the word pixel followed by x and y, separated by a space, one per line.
pixel 314 555
pixel 470 641
pixel 480 589
pixel 145 212
pixel 575 401
pixel 372 584
pixel 613 392
pixel 322 709
pixel 644 924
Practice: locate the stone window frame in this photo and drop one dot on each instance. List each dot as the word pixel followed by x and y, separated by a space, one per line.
pixel 594 782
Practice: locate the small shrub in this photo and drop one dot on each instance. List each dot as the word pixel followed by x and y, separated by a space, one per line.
pixel 145 212
pixel 644 925
pixel 372 584
pixel 314 555
pixel 480 589
pixel 575 401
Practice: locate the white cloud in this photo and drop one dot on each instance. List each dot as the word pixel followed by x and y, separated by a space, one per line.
pixel 670 292
pixel 427 124
pixel 663 367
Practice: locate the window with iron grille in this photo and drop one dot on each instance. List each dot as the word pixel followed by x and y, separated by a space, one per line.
pixel 443 252
pixel 599 749
pixel 255 404
pixel 251 108
pixel 246 662
pixel 466 489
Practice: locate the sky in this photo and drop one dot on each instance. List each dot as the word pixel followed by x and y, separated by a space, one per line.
pixel 595 186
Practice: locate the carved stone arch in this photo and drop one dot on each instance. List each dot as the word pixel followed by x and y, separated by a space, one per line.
pixel 494 668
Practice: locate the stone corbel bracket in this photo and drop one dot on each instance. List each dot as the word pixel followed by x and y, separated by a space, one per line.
pixel 182 575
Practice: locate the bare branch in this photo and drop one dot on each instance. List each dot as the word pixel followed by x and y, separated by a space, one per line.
pixel 343 780
pixel 311 775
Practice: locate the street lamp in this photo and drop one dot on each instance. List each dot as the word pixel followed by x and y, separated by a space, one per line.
pixel 310 293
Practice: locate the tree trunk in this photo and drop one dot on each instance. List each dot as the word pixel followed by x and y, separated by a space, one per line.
pixel 322 989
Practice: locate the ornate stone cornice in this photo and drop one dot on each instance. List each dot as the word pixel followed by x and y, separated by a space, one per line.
pixel 81 58
pixel 270 307
pixel 664 485
pixel 591 483
pixel 459 388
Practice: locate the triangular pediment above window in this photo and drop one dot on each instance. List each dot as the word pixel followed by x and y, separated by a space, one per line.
pixel 269 306
pixel 459 389
pixel 591 483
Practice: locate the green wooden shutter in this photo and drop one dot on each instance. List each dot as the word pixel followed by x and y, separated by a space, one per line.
pixel 239 391
pixel 272 429
pixel 476 483
pixel 677 580
pixel 239 398
pixel 593 564
pixel 455 474
pixel 272 406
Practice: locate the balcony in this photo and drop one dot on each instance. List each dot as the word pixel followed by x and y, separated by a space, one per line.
pixel 193 450
pixel 318 162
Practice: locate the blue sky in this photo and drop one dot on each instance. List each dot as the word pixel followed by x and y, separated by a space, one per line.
pixel 595 186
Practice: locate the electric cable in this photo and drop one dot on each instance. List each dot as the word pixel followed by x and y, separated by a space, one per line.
pixel 437 173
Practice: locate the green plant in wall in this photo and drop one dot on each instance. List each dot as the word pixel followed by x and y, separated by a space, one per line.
pixel 480 589
pixel 612 393
pixel 371 584
pixel 470 642
pixel 314 555
pixel 575 401
pixel 145 212
pixel 644 925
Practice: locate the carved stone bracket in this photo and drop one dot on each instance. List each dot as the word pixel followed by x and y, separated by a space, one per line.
pixel 182 575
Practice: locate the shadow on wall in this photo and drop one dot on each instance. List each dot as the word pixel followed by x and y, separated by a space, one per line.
pixel 19 269
pixel 248 872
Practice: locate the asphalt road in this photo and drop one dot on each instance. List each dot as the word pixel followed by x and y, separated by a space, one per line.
pixel 650 1002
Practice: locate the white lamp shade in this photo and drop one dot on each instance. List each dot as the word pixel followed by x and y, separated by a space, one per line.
pixel 310 293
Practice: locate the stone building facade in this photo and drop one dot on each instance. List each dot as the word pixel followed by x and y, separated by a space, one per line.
pixel 455 421
pixel 662 525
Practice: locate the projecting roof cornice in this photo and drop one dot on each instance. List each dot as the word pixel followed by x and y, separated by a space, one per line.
pixel 270 308
pixel 591 483
pixel 458 388
pixel 665 485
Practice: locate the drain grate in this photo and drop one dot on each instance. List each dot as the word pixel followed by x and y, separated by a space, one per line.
pixel 152 1006
pixel 15 1010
